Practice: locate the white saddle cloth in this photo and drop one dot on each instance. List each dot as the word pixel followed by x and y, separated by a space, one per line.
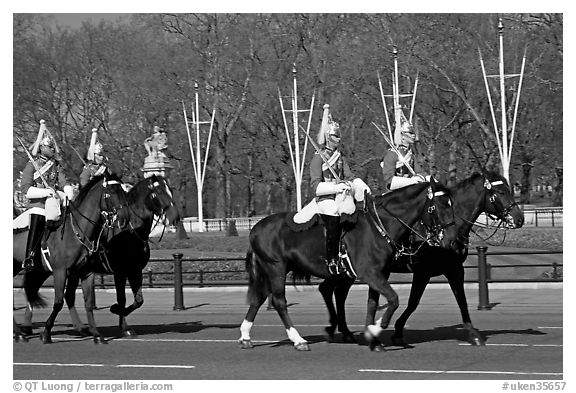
pixel 23 220
pixel 307 212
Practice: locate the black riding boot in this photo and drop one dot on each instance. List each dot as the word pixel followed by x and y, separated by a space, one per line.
pixel 35 232
pixel 332 224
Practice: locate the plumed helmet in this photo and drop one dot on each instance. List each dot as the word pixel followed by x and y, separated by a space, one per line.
pixel 95 146
pixel 44 138
pixel 329 127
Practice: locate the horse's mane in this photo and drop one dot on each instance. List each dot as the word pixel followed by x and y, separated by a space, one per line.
pixel 86 189
pixel 139 189
pixel 474 177
pixel 401 193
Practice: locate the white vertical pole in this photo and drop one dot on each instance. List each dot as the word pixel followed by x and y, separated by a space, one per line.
pixel 297 173
pixel 199 184
pixel 505 157
pixel 397 107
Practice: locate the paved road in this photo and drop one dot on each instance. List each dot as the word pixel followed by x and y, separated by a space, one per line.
pixel 524 333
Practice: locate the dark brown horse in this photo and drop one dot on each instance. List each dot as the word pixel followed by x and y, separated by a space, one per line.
pixel 125 253
pixel 481 193
pixel 100 205
pixel 276 249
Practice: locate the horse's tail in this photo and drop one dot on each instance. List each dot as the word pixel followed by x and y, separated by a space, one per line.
pixel 258 285
pixel 33 280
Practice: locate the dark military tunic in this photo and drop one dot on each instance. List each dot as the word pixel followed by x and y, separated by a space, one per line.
pixel 391 166
pixel 51 172
pixel 319 171
pixel 90 170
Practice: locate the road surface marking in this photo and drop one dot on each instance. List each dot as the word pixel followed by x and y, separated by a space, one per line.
pixel 105 365
pixel 458 372
pixel 518 345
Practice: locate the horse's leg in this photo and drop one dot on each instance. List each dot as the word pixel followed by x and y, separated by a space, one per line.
pixel 257 295
pixel 419 283
pixel 135 281
pixel 120 307
pixel 326 289
pixel 36 279
pixel 456 280
pixel 89 294
pixel 341 294
pixel 17 334
pixel 27 324
pixel 371 332
pixel 279 302
pixel 59 284
pixel 70 298
pixel 379 283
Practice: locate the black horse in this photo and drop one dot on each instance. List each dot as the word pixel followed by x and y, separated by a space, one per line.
pixel 124 254
pixel 481 193
pixel 276 249
pixel 100 205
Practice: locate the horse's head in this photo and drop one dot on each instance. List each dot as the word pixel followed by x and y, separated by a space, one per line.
pixel 159 199
pixel 438 218
pixel 113 202
pixel 499 201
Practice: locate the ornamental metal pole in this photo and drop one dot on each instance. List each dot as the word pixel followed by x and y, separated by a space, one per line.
pixel 296 156
pixel 195 152
pixel 178 291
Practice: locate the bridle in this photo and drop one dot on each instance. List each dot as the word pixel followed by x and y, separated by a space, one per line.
pixel 108 213
pixel 154 187
pixel 493 198
pixel 504 211
pixel 435 230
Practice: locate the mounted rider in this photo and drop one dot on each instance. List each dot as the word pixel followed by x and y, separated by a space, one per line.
pixel 45 185
pixel 97 162
pixel 399 167
pixel 334 186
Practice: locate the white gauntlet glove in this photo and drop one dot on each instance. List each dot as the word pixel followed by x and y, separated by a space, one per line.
pixel 37 192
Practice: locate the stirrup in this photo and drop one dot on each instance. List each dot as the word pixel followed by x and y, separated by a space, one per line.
pixel 28 263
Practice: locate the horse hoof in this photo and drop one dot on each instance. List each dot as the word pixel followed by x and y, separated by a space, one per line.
pixel 303 346
pixel 329 334
pixel 477 341
pixel 376 346
pixel 99 340
pixel 245 344
pixel 399 342
pixel 20 338
pixel 46 338
pixel 129 334
pixel 27 330
pixel 348 337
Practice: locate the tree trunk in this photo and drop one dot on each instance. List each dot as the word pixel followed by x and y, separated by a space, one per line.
pixel 525 184
pixel 557 198
pixel 452 173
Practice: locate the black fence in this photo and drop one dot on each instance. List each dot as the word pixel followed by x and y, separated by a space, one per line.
pixel 179 272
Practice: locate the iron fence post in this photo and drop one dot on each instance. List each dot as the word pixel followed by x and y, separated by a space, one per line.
pixel 483 299
pixel 150 278
pixel 178 292
pixel 555 270
pixel 201 284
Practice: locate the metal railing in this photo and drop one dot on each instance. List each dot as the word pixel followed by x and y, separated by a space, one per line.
pixel 179 277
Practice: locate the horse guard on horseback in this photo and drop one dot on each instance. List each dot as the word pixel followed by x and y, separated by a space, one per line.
pixel 104 229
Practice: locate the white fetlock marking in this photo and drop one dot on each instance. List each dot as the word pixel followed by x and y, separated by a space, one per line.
pixel 374 330
pixel 379 322
pixel 245 330
pixel 294 336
